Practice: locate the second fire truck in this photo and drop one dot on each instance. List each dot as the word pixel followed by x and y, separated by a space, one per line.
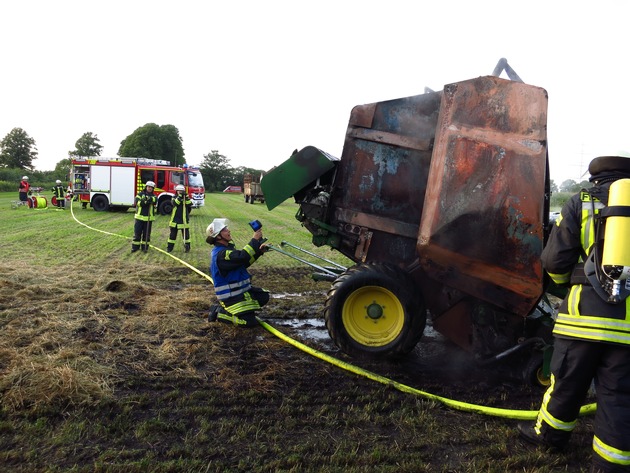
pixel 113 183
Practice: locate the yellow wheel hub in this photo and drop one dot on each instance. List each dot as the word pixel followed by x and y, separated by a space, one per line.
pixel 373 316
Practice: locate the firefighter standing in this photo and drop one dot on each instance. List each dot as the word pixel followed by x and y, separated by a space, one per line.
pixel 180 218
pixel 238 299
pixel 60 195
pixel 145 215
pixel 24 189
pixel 592 332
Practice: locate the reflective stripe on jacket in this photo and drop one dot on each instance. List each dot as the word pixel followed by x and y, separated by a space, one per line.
pixel 232 283
pixel 181 211
pixel 145 206
pixel 583 314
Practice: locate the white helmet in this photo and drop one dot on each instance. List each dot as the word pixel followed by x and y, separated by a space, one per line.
pixel 179 187
pixel 150 183
pixel 25 178
pixel 216 226
pixel 58 181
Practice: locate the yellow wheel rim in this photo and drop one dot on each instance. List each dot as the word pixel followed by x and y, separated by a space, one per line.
pixel 541 378
pixel 373 316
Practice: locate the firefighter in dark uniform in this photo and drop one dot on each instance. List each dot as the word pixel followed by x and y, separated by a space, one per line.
pixel 238 299
pixel 180 218
pixel 592 330
pixel 144 217
pixel 60 195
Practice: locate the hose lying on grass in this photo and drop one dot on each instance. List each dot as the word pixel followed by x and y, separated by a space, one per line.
pixel 462 406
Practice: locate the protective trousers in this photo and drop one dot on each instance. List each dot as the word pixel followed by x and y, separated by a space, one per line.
pixel 241 309
pixel 574 364
pixel 141 235
pixel 173 237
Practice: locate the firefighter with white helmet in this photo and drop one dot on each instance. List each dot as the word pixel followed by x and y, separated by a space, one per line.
pixel 59 194
pixel 588 252
pixel 180 218
pixel 144 217
pixel 238 299
pixel 24 189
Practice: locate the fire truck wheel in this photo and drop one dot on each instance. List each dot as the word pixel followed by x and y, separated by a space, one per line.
pixel 165 207
pixel 374 310
pixel 100 203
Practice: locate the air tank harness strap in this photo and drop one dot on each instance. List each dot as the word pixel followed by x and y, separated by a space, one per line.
pixel 615 211
pixel 578 276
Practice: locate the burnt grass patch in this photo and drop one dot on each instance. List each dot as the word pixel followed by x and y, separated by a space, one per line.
pixel 119 373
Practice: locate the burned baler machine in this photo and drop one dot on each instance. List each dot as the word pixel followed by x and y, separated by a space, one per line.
pixel 441 200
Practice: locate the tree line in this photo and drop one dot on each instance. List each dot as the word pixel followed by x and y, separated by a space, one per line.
pixel 163 142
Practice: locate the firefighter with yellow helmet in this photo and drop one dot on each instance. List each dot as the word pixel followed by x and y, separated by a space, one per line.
pixel 144 217
pixel 238 299
pixel 588 251
pixel 180 218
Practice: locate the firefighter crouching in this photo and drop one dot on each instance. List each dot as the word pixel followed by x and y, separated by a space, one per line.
pixel 180 218
pixel 592 331
pixel 60 195
pixel 238 299
pixel 144 217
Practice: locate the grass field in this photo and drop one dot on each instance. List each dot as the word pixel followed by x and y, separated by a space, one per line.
pixel 107 364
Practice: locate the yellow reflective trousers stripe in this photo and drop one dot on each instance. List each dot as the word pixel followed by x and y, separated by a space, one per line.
pixel 545 416
pixel 611 454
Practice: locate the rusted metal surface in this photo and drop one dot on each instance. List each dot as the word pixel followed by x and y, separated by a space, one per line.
pixel 381 186
pixel 481 228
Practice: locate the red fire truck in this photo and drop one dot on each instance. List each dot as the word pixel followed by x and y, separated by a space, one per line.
pixel 113 183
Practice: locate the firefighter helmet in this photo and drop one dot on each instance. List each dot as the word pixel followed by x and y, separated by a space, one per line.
pixel 150 184
pixel 25 178
pixel 216 226
pixel 179 187
pixel 603 164
pixel 57 181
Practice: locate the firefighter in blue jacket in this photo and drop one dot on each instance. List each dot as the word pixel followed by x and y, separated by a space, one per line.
pixel 144 217
pixel 592 330
pixel 238 299
pixel 180 218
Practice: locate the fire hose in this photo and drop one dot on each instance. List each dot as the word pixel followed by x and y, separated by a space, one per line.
pixel 329 272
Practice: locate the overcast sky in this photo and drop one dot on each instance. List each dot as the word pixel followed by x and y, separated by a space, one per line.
pixel 257 79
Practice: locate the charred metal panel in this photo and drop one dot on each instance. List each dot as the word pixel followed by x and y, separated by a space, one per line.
pixel 386 159
pixel 482 226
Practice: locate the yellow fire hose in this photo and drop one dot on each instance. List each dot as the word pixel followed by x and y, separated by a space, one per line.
pixel 458 405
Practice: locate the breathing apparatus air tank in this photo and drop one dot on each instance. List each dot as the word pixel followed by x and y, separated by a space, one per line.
pixel 616 251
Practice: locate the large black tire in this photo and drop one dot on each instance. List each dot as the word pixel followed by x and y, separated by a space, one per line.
pixel 374 310
pixel 165 207
pixel 100 203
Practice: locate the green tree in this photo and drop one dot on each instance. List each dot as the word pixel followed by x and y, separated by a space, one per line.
pixel 17 150
pixel 553 186
pixel 62 169
pixel 87 145
pixel 568 185
pixel 216 171
pixel 155 142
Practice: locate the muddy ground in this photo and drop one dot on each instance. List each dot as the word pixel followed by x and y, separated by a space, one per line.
pixel 149 353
